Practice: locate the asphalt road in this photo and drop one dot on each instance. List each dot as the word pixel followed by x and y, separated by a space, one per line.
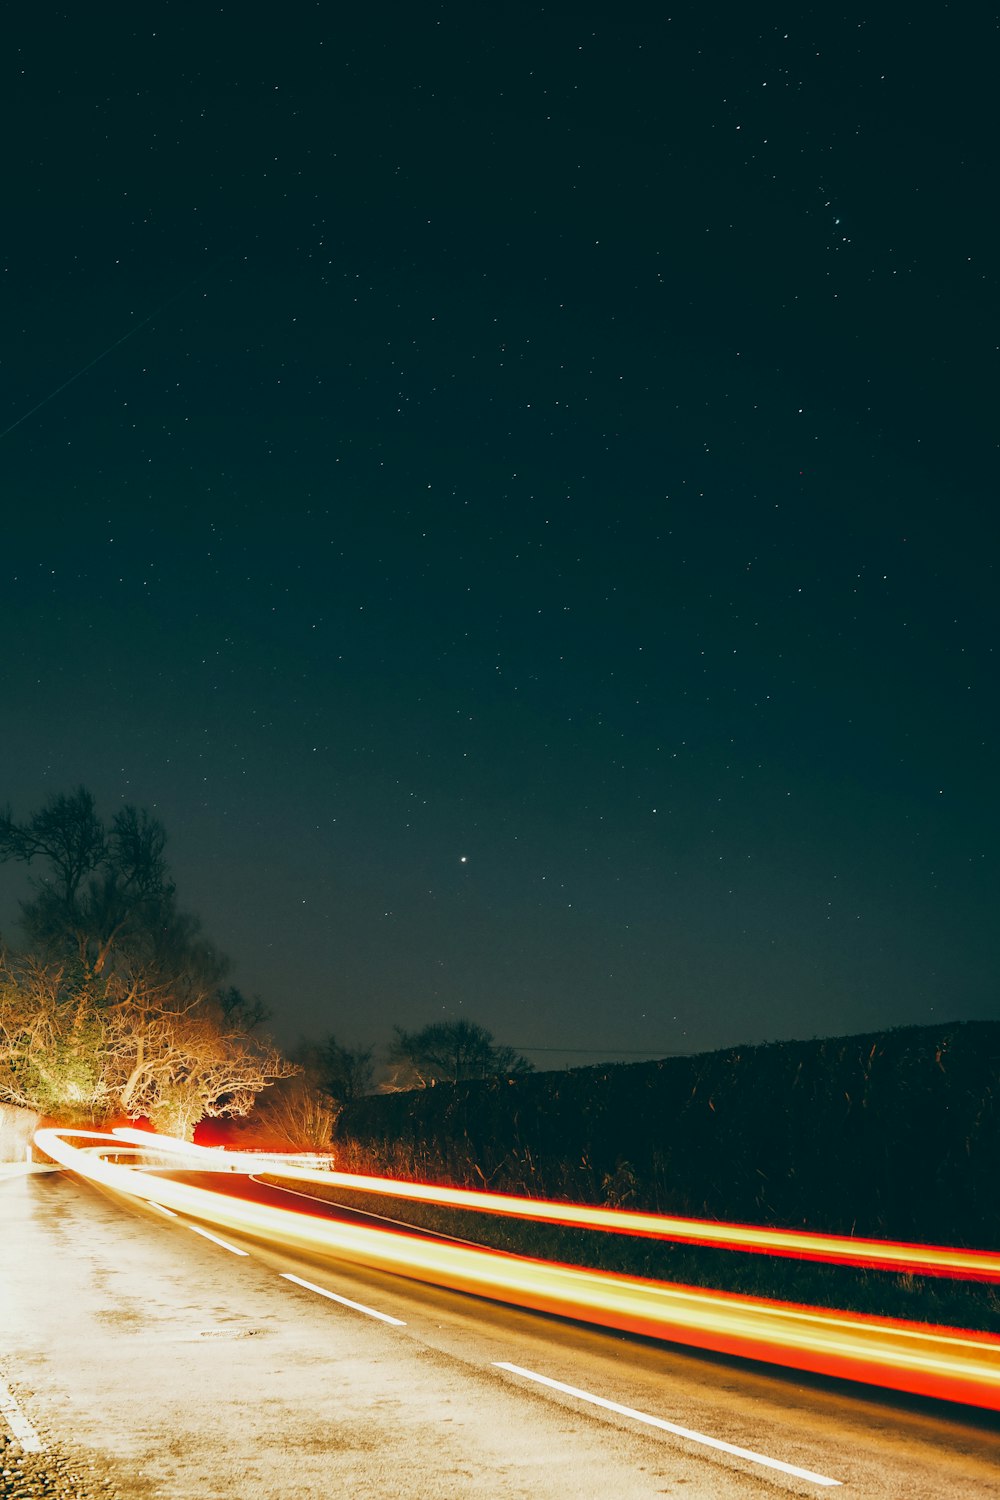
pixel 141 1359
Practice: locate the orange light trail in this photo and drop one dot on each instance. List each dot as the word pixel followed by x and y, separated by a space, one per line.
pixel 950 1364
pixel 883 1255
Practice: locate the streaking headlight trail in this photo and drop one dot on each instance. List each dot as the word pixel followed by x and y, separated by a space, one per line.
pixel 883 1255
pixel 946 1363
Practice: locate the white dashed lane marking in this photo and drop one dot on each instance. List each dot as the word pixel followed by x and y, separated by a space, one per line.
pixel 683 1432
pixel 360 1307
pixel 29 1439
pixel 18 1422
pixel 216 1241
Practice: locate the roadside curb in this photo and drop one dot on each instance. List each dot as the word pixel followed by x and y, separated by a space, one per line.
pixel 23 1168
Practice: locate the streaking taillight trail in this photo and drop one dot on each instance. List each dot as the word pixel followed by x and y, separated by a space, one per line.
pixel 883 1255
pixel 950 1364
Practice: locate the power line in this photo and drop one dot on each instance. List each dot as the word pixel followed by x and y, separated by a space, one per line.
pixel 603 1051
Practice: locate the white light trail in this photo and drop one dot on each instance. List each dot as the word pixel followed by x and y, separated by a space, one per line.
pixel 949 1364
pixel 798 1244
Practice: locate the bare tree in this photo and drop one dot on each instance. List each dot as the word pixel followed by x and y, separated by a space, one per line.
pixel 139 1054
pixel 342 1072
pixel 296 1115
pixel 450 1051
pixel 50 1061
pixel 250 1013
pixel 180 1065
pixel 101 887
pixel 120 1005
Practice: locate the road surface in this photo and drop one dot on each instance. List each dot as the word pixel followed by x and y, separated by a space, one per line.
pixel 140 1358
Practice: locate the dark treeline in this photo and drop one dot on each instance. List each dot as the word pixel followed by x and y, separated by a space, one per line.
pixel 891 1134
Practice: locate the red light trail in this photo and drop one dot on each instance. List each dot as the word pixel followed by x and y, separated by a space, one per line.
pixel 947 1363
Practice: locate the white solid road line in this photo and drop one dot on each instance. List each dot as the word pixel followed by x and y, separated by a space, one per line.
pixel 358 1306
pixel 684 1432
pixel 18 1422
pixel 216 1241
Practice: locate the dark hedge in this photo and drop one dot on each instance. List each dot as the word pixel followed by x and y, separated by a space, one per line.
pixel 893 1134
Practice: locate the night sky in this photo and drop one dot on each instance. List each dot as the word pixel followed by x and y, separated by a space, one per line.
pixel 514 489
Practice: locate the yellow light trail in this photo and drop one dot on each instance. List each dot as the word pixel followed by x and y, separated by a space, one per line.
pixel 950 1364
pixel 883 1255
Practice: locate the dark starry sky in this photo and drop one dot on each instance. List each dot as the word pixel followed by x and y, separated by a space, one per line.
pixel 528 526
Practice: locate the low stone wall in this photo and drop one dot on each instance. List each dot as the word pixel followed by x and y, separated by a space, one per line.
pixel 17 1127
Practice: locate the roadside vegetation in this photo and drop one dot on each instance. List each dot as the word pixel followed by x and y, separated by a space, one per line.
pixel 888 1135
pixel 892 1135
pixel 117 1005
